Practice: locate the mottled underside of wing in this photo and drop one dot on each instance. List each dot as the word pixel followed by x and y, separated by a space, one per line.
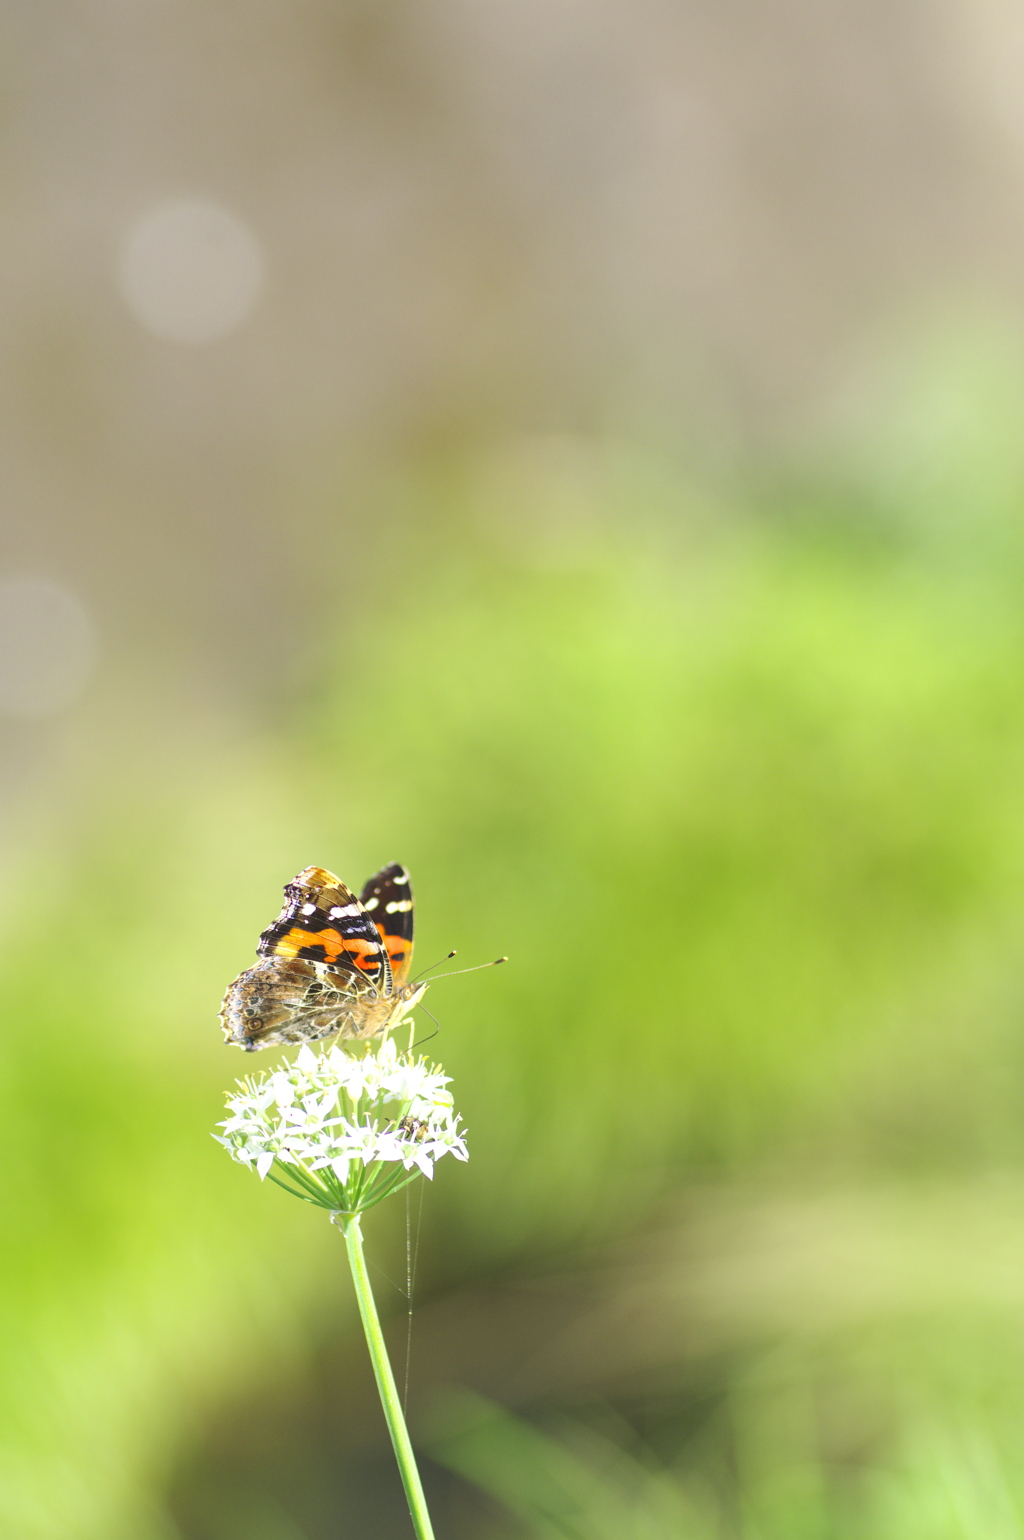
pixel 323 921
pixel 277 1001
pixel 387 899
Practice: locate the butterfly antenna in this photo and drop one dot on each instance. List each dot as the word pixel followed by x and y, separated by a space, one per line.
pixel 476 969
pixel 419 976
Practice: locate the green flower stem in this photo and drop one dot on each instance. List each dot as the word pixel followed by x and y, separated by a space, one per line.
pixel 349 1225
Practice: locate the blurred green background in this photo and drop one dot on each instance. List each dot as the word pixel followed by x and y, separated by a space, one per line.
pixel 579 452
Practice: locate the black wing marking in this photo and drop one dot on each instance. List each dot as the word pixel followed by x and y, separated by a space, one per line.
pixel 387 899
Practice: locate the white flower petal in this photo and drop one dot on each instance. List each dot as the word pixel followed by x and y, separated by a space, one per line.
pixel 400 1111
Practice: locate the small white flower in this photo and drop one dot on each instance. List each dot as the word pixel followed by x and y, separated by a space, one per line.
pixel 354 1126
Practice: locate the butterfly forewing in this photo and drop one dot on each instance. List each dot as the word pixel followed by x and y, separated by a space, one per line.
pixel 387 899
pixel 323 921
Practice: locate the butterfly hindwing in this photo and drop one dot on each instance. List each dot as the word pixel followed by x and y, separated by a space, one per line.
pixel 323 921
pixel 295 1001
pixel 388 902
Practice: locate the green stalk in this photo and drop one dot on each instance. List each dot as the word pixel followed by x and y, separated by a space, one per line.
pixel 349 1225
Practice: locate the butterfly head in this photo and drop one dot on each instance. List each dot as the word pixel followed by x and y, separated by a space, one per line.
pixel 407 997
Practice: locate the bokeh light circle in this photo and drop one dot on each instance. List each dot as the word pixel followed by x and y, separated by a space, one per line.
pixel 47 647
pixel 191 272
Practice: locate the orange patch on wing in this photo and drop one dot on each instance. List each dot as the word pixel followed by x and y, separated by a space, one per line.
pixel 397 948
pixel 365 954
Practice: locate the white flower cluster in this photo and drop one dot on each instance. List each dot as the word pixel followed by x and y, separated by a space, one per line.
pixel 336 1114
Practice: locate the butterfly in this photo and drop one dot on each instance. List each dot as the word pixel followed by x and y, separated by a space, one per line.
pixel 331 965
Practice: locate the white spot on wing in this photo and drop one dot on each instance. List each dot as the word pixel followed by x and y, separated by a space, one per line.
pixel 402 878
pixel 308 909
pixel 371 903
pixel 400 907
pixel 347 913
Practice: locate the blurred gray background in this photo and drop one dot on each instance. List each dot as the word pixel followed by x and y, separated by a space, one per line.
pixel 473 220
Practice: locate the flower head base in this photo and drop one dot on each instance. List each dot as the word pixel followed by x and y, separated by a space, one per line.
pixel 344 1132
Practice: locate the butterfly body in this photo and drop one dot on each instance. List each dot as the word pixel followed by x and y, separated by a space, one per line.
pixel 331 964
